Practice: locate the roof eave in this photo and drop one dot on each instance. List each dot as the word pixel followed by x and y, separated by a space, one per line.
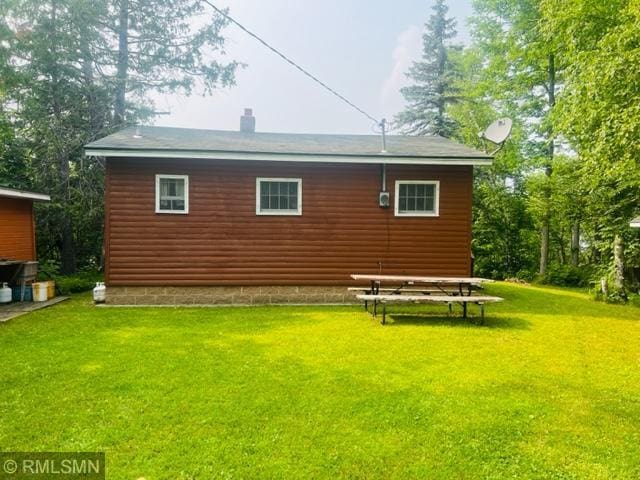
pixel 385 158
pixel 20 194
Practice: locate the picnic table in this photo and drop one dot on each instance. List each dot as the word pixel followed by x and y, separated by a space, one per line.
pixel 420 289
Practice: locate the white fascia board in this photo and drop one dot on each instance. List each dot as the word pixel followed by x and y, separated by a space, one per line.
pixel 635 223
pixel 285 157
pixel 10 193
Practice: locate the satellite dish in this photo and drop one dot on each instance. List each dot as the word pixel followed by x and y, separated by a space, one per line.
pixel 498 132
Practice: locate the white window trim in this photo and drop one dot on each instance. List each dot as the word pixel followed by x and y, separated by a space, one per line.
pixel 186 193
pixel 296 212
pixel 436 199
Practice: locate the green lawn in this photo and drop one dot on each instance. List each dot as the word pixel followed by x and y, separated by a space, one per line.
pixel 548 388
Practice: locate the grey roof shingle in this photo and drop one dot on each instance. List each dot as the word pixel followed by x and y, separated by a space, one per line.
pixel 176 139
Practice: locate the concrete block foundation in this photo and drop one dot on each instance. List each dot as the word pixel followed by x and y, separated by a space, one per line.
pixel 258 295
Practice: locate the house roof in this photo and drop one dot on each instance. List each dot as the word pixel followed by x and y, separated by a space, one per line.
pixel 12 193
pixel 219 144
pixel 635 222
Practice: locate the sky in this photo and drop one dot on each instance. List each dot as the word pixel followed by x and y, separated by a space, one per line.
pixel 361 48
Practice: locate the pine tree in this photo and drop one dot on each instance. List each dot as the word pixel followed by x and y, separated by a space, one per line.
pixel 72 71
pixel 435 79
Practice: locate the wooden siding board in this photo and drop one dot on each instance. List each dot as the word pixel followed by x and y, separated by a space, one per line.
pixel 223 242
pixel 107 220
pixel 17 232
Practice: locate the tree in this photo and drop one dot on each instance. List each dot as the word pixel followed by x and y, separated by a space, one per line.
pixel 160 47
pixel 435 79
pixel 78 70
pixel 503 230
pixel 599 115
pixel 522 74
pixel 13 166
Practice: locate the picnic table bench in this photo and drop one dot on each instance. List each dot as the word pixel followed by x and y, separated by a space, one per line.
pixel 447 290
pixel 479 300
pixel 424 290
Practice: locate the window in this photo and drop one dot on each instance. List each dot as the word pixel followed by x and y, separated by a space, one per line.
pixel 279 196
pixel 172 194
pixel 417 198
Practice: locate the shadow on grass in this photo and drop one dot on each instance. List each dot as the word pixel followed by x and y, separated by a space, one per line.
pixel 401 319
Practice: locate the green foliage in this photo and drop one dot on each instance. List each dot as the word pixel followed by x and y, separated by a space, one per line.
pixel 13 166
pixel 48 269
pixel 80 282
pixel 598 112
pixel 504 242
pixel 71 72
pixel 514 72
pixel 634 299
pixel 612 296
pixel 435 77
pixel 568 275
pixel 566 73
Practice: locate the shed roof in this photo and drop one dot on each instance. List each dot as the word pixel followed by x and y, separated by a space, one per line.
pixel 195 143
pixel 13 193
pixel 635 222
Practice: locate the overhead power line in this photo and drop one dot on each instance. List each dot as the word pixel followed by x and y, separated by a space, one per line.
pixel 292 63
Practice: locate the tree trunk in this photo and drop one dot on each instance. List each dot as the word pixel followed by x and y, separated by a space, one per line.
pixel 123 64
pixel 67 249
pixel 575 243
pixel 544 246
pixel 94 116
pixel 618 264
pixel 561 249
pixel 546 216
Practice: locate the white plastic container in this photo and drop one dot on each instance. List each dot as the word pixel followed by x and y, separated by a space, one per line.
pixel 99 293
pixel 5 293
pixel 39 291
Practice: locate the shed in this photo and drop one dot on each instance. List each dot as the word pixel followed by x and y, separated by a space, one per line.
pixel 17 224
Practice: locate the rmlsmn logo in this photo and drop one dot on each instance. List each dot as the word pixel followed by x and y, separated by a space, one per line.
pixel 67 465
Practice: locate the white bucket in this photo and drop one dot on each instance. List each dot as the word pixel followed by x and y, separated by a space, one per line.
pixel 39 291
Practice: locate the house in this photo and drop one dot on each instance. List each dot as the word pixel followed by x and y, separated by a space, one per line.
pixel 200 216
pixel 17 227
pixel 635 222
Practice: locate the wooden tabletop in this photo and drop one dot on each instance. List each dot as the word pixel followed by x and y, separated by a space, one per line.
pixel 409 278
pixel 10 262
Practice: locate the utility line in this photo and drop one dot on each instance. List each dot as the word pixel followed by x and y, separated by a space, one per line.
pixel 292 63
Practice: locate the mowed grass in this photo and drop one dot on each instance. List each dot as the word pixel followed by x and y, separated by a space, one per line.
pixel 548 388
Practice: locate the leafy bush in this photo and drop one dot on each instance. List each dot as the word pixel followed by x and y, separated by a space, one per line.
pixel 81 282
pixel 526 275
pixel 48 269
pixel 634 299
pixel 567 276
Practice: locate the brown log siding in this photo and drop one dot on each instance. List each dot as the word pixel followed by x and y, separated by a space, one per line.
pixel 17 237
pixel 223 242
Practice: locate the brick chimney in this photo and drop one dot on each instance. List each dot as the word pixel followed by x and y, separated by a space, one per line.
pixel 248 121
